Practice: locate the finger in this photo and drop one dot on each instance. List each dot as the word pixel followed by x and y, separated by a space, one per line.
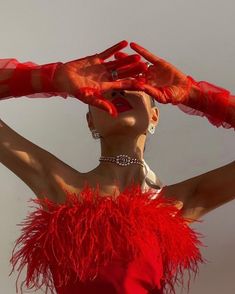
pixel 131 71
pixel 106 105
pixel 110 51
pixel 111 65
pixel 145 53
pixel 119 55
pixel 124 84
pixel 156 93
pixel 93 97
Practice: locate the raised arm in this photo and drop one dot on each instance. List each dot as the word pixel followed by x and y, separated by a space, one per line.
pixel 27 79
pixel 204 193
pixel 85 79
pixel 26 160
pixel 167 84
pixel 22 157
pixel 214 188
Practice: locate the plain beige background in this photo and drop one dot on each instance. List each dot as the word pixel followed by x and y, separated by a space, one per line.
pixel 196 36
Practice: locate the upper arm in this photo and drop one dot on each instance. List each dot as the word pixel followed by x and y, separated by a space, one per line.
pixel 185 194
pixel 25 159
pixel 203 193
pixel 183 190
pixel 216 187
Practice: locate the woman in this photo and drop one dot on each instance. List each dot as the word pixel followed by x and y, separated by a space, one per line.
pixel 127 243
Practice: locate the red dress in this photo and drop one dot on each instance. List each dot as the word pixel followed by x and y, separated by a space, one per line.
pixel 135 243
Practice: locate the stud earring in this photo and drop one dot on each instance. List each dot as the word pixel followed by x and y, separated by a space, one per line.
pixel 151 128
pixel 95 134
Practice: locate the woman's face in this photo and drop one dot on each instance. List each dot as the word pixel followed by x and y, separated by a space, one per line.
pixel 133 121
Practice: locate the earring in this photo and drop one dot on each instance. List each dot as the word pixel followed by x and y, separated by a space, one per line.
pixel 95 134
pixel 151 128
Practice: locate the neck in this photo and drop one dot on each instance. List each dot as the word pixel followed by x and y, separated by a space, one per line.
pixel 132 146
pixel 116 145
pixel 120 176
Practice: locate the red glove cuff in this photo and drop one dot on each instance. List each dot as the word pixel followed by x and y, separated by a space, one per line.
pixel 212 102
pixel 20 81
pixel 47 72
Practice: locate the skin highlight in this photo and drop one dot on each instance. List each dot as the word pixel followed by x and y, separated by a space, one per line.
pixel 125 134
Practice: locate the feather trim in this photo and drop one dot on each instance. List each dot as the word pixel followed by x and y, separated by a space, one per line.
pixel 88 231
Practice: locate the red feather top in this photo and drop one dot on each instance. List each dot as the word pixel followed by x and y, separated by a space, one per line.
pixel 69 243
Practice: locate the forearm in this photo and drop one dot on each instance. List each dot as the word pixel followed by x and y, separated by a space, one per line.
pixel 36 80
pixel 5 75
pixel 1 124
pixel 27 79
pixel 216 103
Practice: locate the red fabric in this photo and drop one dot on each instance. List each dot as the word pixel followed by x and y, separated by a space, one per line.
pixel 140 276
pixel 213 102
pixel 86 79
pixel 94 244
pixel 167 84
pixel 16 77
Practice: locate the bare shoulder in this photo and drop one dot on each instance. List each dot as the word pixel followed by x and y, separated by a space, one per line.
pixel 39 169
pixel 63 177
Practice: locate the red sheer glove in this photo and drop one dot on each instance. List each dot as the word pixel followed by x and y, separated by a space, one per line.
pixel 213 102
pixel 167 84
pixel 16 79
pixel 86 78
pixel 161 80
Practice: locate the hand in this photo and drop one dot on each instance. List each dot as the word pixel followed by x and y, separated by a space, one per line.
pixel 87 78
pixel 162 80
